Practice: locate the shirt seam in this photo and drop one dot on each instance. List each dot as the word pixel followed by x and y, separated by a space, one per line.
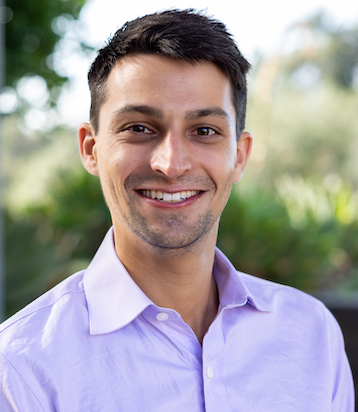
pixel 22 378
pixel 39 309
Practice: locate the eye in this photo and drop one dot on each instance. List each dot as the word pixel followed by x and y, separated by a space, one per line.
pixel 205 131
pixel 137 132
pixel 140 129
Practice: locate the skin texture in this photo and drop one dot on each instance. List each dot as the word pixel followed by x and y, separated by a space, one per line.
pixel 167 126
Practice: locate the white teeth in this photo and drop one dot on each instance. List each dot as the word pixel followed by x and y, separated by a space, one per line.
pixel 169 197
pixel 176 197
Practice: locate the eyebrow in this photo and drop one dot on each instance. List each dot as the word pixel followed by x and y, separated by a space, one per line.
pixel 210 111
pixel 143 109
pixel 159 114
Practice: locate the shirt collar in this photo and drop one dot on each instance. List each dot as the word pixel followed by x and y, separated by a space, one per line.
pixel 238 289
pixel 114 299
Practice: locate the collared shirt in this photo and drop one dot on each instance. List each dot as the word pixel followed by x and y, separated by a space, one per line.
pixel 97 343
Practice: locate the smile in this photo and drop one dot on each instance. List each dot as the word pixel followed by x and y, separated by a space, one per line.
pixel 169 197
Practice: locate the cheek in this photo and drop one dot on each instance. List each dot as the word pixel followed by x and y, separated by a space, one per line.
pixel 222 166
pixel 113 160
pixel 110 168
pixel 117 165
pixel 223 179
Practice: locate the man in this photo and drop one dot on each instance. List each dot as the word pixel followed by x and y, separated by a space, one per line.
pixel 160 320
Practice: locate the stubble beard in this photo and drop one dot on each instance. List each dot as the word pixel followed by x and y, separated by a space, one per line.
pixel 174 236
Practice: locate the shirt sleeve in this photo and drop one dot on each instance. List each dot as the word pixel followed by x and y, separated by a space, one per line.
pixel 342 379
pixel 15 394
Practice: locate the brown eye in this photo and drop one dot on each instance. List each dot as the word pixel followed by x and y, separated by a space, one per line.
pixel 205 131
pixel 139 129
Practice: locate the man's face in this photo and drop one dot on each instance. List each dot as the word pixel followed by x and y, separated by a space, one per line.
pixel 166 150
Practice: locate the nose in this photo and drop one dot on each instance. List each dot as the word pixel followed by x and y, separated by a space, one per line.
pixel 171 156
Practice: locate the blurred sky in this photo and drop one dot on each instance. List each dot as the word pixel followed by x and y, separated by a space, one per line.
pixel 257 25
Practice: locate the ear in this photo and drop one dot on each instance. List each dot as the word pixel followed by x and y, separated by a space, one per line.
pixel 88 149
pixel 244 146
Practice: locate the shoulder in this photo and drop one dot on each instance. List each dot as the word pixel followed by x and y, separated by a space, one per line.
pixel 45 312
pixel 296 316
pixel 282 301
pixel 286 302
pixel 273 292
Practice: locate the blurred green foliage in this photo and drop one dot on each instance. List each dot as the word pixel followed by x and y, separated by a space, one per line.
pixel 32 262
pixel 288 238
pixel 50 240
pixel 31 33
pixel 292 219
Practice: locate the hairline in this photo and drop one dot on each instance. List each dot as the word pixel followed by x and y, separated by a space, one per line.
pixel 193 62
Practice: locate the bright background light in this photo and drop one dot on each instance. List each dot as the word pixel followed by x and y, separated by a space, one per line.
pixel 256 24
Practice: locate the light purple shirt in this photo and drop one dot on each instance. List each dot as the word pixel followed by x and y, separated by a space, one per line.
pixel 97 343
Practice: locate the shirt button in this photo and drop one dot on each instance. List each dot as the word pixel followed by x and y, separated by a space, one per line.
pixel 209 372
pixel 162 316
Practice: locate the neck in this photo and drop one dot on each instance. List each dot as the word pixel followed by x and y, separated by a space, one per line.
pixel 180 280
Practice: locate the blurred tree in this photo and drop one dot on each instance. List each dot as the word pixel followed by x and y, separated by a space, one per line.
pixel 303 105
pixel 33 32
pixel 325 51
pixel 33 28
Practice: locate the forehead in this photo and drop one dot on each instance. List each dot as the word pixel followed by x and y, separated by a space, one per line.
pixel 168 83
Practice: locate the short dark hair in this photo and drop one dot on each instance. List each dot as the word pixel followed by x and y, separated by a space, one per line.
pixel 179 34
